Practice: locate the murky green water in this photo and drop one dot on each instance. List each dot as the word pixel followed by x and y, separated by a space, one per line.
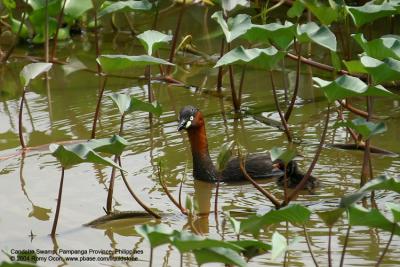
pixel 62 109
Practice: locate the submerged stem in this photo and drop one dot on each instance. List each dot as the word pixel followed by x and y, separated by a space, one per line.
pixel 53 230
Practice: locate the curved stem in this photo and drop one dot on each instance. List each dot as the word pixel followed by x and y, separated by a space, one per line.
pixel 300 186
pixel 53 230
pixel 21 107
pixel 257 186
pixel 220 69
pixel 346 241
pixel 141 203
pixel 235 101
pixel 296 87
pixel 59 20
pixel 317 64
pixel 309 245
pixel 329 247
pixel 182 209
pixel 9 52
pixel 284 123
pixel 175 38
pixel 97 112
pixel 111 188
pixel 387 246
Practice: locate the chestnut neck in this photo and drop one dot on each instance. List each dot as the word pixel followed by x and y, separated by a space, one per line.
pixel 203 167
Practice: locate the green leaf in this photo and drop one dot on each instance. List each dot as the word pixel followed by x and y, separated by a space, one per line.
pixel 348 86
pixel 382 71
pixel 9 4
pixel 152 40
pixel 359 216
pixel 122 101
pixel 395 208
pixel 156 235
pixel 279 34
pixel 130 5
pixel 222 255
pixel 381 48
pixel 31 71
pixel 279 245
pixel 354 66
pixel 76 8
pixel 73 65
pixel 324 13
pixel 295 214
pixel 264 58
pixel 15 24
pixel 235 225
pixel 320 35
pixel 80 153
pixel 380 183
pixel 296 10
pixel 331 217
pixel 363 127
pixel 139 105
pixel 370 12
pixel 113 146
pixel 110 63
pixel 224 155
pixel 229 5
pixel 252 248
pixel 185 242
pixel 234 27
pixel 286 155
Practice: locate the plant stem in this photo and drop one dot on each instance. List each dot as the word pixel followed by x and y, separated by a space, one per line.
pixel 175 38
pixel 296 87
pixel 346 241
pixel 241 85
pixel 220 69
pixel 53 230
pixel 317 64
pixel 235 101
pixel 141 203
pixel 216 198
pixel 387 246
pixel 97 112
pixel 329 247
pixel 182 209
pixel 59 20
pixel 21 107
pixel 9 52
pixel 96 37
pixel 257 186
pixel 309 245
pixel 46 31
pixel 151 257
pixel 111 188
pixel 284 123
pixel 300 186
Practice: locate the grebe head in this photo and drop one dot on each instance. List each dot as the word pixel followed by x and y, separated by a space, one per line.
pixel 190 118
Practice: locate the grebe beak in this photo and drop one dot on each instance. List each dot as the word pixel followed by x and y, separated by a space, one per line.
pixel 182 125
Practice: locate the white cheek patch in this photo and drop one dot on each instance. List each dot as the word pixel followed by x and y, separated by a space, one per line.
pixel 188 123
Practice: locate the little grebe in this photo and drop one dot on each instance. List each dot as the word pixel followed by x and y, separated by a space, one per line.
pixel 257 165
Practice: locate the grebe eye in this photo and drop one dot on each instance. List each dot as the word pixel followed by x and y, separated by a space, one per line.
pixel 191 118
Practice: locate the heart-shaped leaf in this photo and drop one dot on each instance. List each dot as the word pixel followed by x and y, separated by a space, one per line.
pixel 286 155
pixel 363 127
pixel 217 254
pixel 395 208
pixel 234 27
pixel 229 5
pixel 279 245
pixel 76 8
pixel 156 235
pixel 31 71
pixel 122 101
pixel 320 35
pixel 348 86
pixel 152 40
pixel 370 12
pixel 381 71
pixel 264 58
pixel 130 5
pixel 379 183
pixel 381 48
pixel 113 146
pixel 331 217
pixel 278 34
pixel 371 218
pixel 112 63
pixel 76 154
